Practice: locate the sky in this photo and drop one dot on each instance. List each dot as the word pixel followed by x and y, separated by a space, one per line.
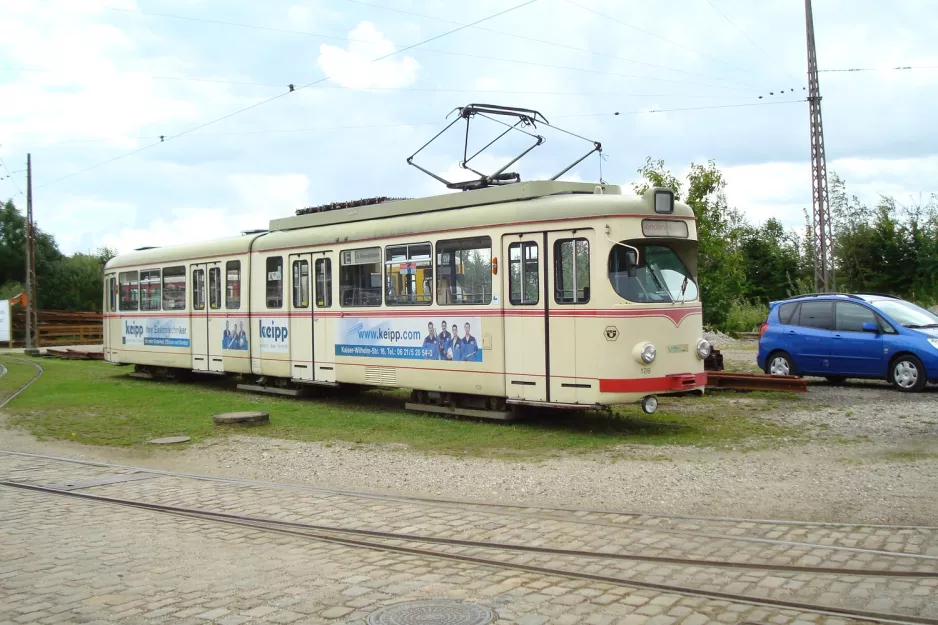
pixel 88 88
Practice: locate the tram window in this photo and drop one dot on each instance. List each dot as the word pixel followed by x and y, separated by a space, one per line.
pixel 174 288
pixel 129 285
pixel 112 294
pixel 523 279
pixel 408 274
pixel 360 276
pixel 198 289
pixel 300 284
pixel 150 289
pixel 572 271
pixel 233 285
pixel 464 271
pixel 275 282
pixel 657 275
pixel 214 288
pixel 324 282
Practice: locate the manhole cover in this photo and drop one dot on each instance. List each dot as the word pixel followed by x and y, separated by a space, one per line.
pixel 434 612
pixel 169 440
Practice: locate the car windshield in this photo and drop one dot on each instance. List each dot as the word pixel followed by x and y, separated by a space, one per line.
pixel 907 314
pixel 660 276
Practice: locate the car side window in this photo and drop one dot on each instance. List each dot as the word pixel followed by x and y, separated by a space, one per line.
pixel 819 315
pixel 786 312
pixel 851 317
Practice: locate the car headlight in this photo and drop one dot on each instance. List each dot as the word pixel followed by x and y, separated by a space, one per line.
pixel 703 349
pixel 934 343
pixel 648 353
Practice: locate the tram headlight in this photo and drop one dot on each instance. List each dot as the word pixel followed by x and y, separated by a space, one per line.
pixel 703 349
pixel 648 353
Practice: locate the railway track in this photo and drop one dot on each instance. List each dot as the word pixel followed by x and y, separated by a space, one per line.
pixel 629 522
pixel 493 554
pixel 401 543
pixel 39 372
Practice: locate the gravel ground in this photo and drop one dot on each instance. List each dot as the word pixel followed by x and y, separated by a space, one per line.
pixel 890 475
pixel 847 483
pixel 858 409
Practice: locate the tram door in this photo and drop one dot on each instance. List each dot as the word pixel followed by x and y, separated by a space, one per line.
pixel 110 308
pixel 323 337
pixel 301 319
pixel 527 371
pixel 569 259
pixel 198 316
pixel 311 353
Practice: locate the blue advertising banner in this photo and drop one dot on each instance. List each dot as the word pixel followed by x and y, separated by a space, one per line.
pixel 156 332
pixel 452 338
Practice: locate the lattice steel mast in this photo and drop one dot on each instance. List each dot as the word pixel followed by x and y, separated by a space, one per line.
pixel 824 280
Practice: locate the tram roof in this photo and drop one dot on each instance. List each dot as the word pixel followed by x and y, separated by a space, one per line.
pixel 479 197
pixel 516 203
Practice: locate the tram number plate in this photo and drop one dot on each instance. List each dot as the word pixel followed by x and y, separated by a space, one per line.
pixel 646 370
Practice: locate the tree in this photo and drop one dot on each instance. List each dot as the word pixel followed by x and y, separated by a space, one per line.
pixel 73 283
pixel 772 261
pixel 657 175
pixel 720 270
pixel 62 282
pixel 13 247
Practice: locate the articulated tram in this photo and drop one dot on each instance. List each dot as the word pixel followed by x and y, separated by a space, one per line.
pixel 542 293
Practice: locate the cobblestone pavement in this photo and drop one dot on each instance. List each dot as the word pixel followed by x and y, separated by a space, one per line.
pixel 65 560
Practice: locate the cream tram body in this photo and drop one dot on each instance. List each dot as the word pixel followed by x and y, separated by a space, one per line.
pixel 533 276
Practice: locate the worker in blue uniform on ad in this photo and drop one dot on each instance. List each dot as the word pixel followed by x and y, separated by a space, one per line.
pixel 431 344
pixel 470 349
pixel 456 350
pixel 446 341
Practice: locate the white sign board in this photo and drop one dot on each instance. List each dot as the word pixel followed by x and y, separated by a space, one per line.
pixel 6 322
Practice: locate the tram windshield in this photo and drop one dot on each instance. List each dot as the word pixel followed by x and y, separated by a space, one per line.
pixel 658 274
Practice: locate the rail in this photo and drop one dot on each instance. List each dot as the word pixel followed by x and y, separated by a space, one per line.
pixel 756 382
pixel 379 540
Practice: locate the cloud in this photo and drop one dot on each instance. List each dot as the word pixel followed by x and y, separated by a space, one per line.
pixel 266 196
pixel 353 68
pixel 101 82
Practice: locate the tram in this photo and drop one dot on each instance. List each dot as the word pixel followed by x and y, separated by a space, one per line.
pixel 540 293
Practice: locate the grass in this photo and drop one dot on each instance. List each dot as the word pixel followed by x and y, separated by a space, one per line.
pixel 99 404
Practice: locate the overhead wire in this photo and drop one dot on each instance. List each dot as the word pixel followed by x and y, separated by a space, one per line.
pixel 673 110
pixel 903 68
pixel 652 34
pixel 163 139
pixel 429 17
pixel 542 41
pixel 744 86
pixel 752 41
pixel 420 89
pixel 436 122
pixel 9 175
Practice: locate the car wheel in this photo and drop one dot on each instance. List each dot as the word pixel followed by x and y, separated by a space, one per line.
pixel 907 374
pixel 835 379
pixel 779 363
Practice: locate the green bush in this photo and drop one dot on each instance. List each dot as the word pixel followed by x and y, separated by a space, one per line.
pixel 744 316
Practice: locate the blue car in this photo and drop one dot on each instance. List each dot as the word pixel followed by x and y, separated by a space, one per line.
pixel 840 336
